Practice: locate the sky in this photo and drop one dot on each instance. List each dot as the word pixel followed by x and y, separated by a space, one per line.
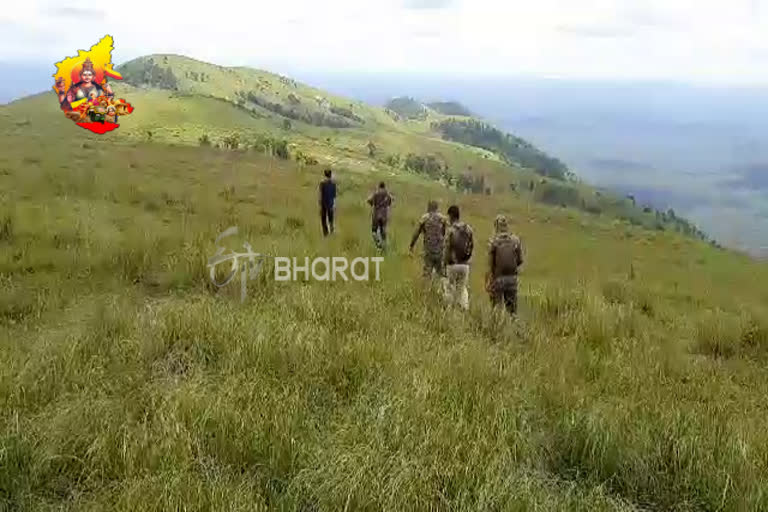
pixel 698 41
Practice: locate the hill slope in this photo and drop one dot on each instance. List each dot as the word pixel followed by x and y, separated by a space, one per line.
pixel 184 101
pixel 634 379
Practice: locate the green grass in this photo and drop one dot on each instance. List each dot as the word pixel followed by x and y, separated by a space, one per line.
pixel 634 378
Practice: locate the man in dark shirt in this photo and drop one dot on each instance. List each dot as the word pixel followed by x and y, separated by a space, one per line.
pixel 327 199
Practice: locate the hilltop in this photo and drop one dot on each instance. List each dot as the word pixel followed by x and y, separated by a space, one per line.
pixel 634 378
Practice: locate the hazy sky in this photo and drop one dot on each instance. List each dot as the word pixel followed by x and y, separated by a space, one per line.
pixel 690 40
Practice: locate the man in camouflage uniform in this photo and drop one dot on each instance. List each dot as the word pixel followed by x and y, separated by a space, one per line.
pixel 381 200
pixel 505 256
pixel 459 243
pixel 433 225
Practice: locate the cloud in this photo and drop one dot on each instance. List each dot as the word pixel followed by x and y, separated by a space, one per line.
pixel 626 39
pixel 648 18
pixel 596 31
pixel 427 4
pixel 77 12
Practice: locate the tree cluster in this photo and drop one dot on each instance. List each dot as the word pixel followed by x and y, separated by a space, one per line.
pixel 150 74
pixel 196 77
pixel 558 195
pixel 313 117
pixel 428 165
pixel 276 147
pixel 450 108
pixel 407 108
pixel 510 148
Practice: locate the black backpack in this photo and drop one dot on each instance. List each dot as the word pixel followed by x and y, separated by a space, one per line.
pixel 506 258
pixel 461 243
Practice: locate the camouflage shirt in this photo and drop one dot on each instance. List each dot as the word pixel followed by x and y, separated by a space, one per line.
pixel 433 225
pixel 381 200
pixel 497 241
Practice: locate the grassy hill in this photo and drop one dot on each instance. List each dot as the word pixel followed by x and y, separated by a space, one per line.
pixel 634 379
pixel 185 101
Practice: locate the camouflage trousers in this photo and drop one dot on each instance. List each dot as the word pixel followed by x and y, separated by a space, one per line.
pixel 433 262
pixel 504 290
pixel 455 286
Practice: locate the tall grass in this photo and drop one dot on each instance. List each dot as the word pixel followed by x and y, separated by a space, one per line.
pixel 129 383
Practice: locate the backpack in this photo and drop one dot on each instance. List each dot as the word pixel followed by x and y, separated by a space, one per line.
pixel 461 243
pixel 506 258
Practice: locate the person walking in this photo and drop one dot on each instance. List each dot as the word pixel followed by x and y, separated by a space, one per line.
pixel 459 245
pixel 380 201
pixel 327 200
pixel 505 257
pixel 433 226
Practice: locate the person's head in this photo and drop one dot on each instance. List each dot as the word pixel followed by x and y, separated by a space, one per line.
pixel 86 74
pixel 500 224
pixel 382 186
pixel 453 213
pixel 327 173
pixel 432 206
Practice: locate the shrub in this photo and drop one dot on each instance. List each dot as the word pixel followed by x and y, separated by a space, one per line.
pixel 305 159
pixel 392 160
pixel 281 149
pixel 428 165
pixel 231 141
pixel 346 112
pixel 556 194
